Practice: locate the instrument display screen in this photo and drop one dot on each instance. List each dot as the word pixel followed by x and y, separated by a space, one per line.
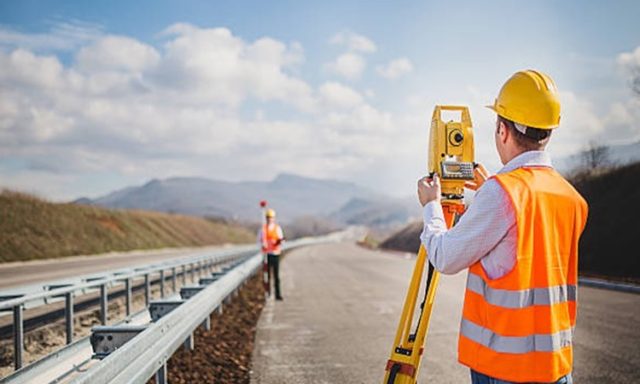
pixel 457 170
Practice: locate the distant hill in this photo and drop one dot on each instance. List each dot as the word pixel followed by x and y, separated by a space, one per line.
pixel 377 212
pixel 291 195
pixel 607 246
pixel 32 228
pixel 406 239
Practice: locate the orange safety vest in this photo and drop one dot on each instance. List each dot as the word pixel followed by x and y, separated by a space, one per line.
pixel 519 327
pixel 270 237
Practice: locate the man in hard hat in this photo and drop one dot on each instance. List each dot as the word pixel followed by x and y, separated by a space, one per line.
pixel 519 239
pixel 270 238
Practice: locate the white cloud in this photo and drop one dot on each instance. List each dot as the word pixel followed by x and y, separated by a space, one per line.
pixel 630 59
pixel 205 102
pixel 396 68
pixel 348 65
pixel 116 53
pixel 339 95
pixel 630 63
pixel 353 42
pixel 583 122
pixel 61 37
pixel 213 65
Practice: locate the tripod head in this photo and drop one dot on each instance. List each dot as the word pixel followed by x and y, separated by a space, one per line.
pixel 451 152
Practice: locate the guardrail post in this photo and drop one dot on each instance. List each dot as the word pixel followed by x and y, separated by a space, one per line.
pixel 18 336
pixel 103 304
pixel 162 283
pixel 127 286
pixel 161 374
pixel 188 343
pixel 173 279
pixel 147 290
pixel 193 275
pixel 69 316
pixel 206 324
pixel 184 275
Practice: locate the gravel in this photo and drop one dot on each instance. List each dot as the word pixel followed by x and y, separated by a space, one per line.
pixel 222 355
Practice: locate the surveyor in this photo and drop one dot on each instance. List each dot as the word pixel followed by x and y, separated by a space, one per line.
pixel 519 239
pixel 270 238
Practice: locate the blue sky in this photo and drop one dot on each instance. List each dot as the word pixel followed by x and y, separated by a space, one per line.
pixel 102 95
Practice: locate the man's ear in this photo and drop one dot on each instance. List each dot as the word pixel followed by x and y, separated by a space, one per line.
pixel 503 132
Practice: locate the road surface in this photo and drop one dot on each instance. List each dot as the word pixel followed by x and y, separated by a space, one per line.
pixel 29 272
pixel 341 308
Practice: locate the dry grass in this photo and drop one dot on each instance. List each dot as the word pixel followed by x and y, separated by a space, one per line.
pixel 31 228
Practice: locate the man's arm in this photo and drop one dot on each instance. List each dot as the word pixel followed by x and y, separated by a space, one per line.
pixel 484 224
pixel 280 235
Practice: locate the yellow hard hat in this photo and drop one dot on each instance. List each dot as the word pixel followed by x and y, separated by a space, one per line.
pixel 270 213
pixel 529 98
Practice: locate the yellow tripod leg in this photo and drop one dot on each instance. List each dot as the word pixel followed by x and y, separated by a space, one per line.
pixel 402 366
pixel 404 363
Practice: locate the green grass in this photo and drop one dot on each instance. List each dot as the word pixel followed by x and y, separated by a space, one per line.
pixel 31 228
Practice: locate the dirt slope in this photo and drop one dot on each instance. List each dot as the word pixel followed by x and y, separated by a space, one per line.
pixel 31 228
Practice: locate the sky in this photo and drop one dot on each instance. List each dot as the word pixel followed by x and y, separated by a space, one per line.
pixel 97 96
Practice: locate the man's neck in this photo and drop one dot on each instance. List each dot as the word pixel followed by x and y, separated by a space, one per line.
pixel 513 153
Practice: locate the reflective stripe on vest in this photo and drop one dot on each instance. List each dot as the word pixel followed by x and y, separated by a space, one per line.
pixel 516 344
pixel 522 298
pixel 519 327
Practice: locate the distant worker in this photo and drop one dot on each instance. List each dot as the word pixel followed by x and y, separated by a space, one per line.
pixel 270 238
pixel 519 239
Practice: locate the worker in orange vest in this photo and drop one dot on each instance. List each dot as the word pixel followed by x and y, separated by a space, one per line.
pixel 519 239
pixel 270 238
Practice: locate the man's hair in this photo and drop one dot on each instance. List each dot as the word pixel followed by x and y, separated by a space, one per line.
pixel 532 139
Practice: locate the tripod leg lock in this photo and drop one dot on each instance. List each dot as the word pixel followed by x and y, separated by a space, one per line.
pixel 398 367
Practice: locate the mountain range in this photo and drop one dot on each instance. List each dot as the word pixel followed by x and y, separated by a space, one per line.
pixel 291 195
pixel 294 196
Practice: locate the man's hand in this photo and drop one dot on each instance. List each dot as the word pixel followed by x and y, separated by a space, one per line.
pixel 480 175
pixel 429 189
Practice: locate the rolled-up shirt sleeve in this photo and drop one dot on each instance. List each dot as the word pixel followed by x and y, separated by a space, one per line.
pixel 484 224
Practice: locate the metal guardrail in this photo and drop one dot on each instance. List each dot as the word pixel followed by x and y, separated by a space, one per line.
pixel 191 264
pixel 146 354
pixel 606 284
pixel 55 367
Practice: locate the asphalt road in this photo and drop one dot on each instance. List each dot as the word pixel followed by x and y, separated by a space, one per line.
pixel 29 272
pixel 341 309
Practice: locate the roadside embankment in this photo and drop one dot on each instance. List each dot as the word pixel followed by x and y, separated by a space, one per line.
pixel 31 229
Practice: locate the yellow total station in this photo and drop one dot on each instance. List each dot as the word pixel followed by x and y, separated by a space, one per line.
pixel 451 151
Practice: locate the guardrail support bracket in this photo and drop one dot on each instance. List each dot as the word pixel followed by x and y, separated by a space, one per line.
pixel 106 339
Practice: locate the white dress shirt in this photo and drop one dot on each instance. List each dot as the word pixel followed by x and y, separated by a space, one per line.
pixel 486 231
